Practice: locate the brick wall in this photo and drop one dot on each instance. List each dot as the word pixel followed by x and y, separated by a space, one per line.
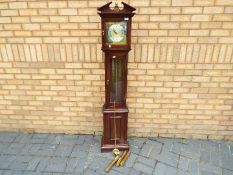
pixel 180 68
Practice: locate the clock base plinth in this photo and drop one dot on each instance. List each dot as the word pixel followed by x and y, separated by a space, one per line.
pixel 115 128
pixel 110 147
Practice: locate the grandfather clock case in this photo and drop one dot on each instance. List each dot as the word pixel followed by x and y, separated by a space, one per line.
pixel 116 43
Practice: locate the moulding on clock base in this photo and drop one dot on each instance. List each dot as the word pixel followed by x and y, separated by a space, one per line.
pixel 110 147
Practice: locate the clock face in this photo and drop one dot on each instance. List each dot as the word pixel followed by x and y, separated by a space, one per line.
pixel 116 33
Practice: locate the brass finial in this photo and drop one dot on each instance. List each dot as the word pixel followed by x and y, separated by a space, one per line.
pixel 116 8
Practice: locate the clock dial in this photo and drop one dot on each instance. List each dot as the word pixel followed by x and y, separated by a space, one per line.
pixel 116 33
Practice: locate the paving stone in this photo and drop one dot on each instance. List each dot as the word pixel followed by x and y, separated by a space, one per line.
pixel 160 169
pixel 171 171
pixel 146 161
pixel 20 163
pixel 176 148
pixel 181 172
pixel 32 173
pixel 227 172
pixel 78 152
pixel 5 161
pixel 23 138
pixel 44 161
pixel 10 172
pixel 226 157
pixel 4 147
pixel 14 148
pixel 57 165
pixel 193 167
pixel 210 168
pixel 207 173
pixel 69 139
pixel 169 158
pixel 135 172
pixel 215 158
pixel 40 136
pixel 183 163
pixel 64 150
pixel 143 168
pixel 54 139
pixel 131 160
pixel 34 162
pixel 113 172
pixel 123 170
pixel 205 156
pixel 99 163
pixel 90 172
pixel 75 165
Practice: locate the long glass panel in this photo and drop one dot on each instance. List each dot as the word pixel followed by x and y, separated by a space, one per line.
pixel 116 85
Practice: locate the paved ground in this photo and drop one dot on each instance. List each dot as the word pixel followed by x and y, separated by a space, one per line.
pixel 55 154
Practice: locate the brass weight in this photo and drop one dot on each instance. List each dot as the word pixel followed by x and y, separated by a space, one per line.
pixel 125 158
pixel 121 158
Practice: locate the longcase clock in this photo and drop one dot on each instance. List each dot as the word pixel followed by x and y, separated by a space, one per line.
pixel 116 43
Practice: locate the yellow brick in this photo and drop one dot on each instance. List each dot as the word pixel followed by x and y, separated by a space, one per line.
pixel 88 26
pixel 224 2
pixel 22 33
pixel 139 3
pixel 78 19
pixel 9 13
pixel 181 2
pixel 58 19
pixel 219 32
pixel 139 18
pixel 169 25
pixel 190 25
pixel 49 26
pixel 18 5
pixel 20 19
pixel 149 10
pixel 57 4
pixel 180 18
pixel 28 12
pixel 12 26
pixel 87 11
pixel 222 17
pixel 191 10
pixel 211 25
pixel 39 19
pixel 5 20
pixel 4 5
pixel 199 32
pixel 47 11
pixel 200 18
pixel 68 11
pixel 203 2
pixel 31 26
pixel 161 3
pixel 76 4
pixel 37 4
pixel 148 26
pixel 213 10
pixel 170 10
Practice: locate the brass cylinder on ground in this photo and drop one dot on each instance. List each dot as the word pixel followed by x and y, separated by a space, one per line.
pixel 125 158
pixel 121 158
pixel 112 164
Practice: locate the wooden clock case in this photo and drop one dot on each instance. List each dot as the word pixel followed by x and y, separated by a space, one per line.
pixel 115 114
